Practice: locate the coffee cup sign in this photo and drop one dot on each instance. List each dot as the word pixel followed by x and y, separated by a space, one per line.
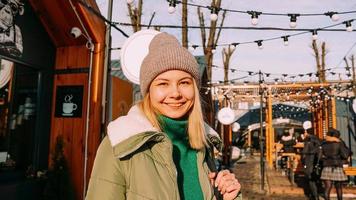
pixel 68 106
pixel 69 99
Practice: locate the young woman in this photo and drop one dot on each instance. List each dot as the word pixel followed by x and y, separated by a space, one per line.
pixel 159 149
pixel 334 152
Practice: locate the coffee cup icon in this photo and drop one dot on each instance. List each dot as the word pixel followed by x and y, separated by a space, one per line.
pixel 68 108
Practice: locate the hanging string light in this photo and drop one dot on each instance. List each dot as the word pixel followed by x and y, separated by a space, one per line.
pixel 315 34
pixel 285 40
pixel 333 15
pixel 213 50
pixel 233 46
pixel 348 25
pixel 254 17
pixel 214 13
pixel 293 20
pixel 172 6
pixel 259 44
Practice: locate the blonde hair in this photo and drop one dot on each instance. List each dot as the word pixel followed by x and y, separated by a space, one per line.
pixel 196 131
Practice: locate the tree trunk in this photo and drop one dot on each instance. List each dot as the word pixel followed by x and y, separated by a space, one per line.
pixel 135 15
pixel 353 80
pixel 317 57
pixel 185 23
pixel 227 53
pixel 320 60
pixel 208 46
pixel 322 70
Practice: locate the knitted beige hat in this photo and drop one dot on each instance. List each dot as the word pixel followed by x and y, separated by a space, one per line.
pixel 166 53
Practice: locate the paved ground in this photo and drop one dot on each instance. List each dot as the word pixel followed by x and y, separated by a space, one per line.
pixel 277 186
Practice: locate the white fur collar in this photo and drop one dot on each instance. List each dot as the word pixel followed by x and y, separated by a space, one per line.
pixel 129 125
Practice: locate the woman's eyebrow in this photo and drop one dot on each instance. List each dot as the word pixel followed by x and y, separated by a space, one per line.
pixel 161 79
pixel 188 77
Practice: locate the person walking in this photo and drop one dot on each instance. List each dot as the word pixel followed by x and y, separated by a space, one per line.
pixel 334 152
pixel 309 158
pixel 159 149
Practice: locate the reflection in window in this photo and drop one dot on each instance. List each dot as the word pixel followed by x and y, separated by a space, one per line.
pixel 18 97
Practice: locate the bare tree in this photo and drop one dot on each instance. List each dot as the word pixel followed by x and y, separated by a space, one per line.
pixel 226 54
pixel 209 43
pixel 135 14
pixel 320 60
pixel 353 75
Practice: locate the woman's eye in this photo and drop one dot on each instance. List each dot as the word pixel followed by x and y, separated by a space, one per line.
pixel 185 82
pixel 162 84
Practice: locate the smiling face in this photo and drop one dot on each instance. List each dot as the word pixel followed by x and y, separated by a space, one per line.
pixel 172 93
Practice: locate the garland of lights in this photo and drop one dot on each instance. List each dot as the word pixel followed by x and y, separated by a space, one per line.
pixel 260 41
pixel 334 16
pixel 316 94
pixel 284 76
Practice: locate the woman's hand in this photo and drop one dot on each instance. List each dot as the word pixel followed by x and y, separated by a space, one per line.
pixel 227 184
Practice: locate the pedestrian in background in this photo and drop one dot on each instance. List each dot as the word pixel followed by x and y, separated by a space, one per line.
pixel 288 141
pixel 334 152
pixel 309 159
pixel 159 149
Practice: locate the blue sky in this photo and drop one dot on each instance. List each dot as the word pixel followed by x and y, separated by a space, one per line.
pixel 274 58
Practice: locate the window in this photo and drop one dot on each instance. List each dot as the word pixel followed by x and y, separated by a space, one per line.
pixel 18 97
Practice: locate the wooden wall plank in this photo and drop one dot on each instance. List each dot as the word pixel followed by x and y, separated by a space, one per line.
pixel 121 98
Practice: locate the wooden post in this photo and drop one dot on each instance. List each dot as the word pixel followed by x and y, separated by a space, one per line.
pixel 333 112
pixel 269 127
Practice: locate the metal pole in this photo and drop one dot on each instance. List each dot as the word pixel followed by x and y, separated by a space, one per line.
pixel 262 164
pixel 106 77
pixel 226 132
pixel 348 126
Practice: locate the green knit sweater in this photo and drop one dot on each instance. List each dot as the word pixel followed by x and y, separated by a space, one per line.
pixel 184 157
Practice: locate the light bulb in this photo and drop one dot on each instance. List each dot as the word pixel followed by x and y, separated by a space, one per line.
pixel 293 24
pixel 335 17
pixel 213 50
pixel 213 16
pixel 254 21
pixel 171 9
pixel 285 40
pixel 130 1
pixel 315 35
pixel 349 29
pixel 259 44
pixel 232 47
pixel 293 20
pixel 348 26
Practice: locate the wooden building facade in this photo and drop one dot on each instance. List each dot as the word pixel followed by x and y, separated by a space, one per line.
pixel 54 54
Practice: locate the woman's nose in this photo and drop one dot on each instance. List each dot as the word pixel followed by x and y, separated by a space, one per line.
pixel 175 91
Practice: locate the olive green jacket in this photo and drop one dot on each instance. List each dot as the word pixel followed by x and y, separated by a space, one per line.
pixel 135 162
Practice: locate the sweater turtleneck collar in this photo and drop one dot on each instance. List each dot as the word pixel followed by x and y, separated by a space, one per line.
pixel 176 129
